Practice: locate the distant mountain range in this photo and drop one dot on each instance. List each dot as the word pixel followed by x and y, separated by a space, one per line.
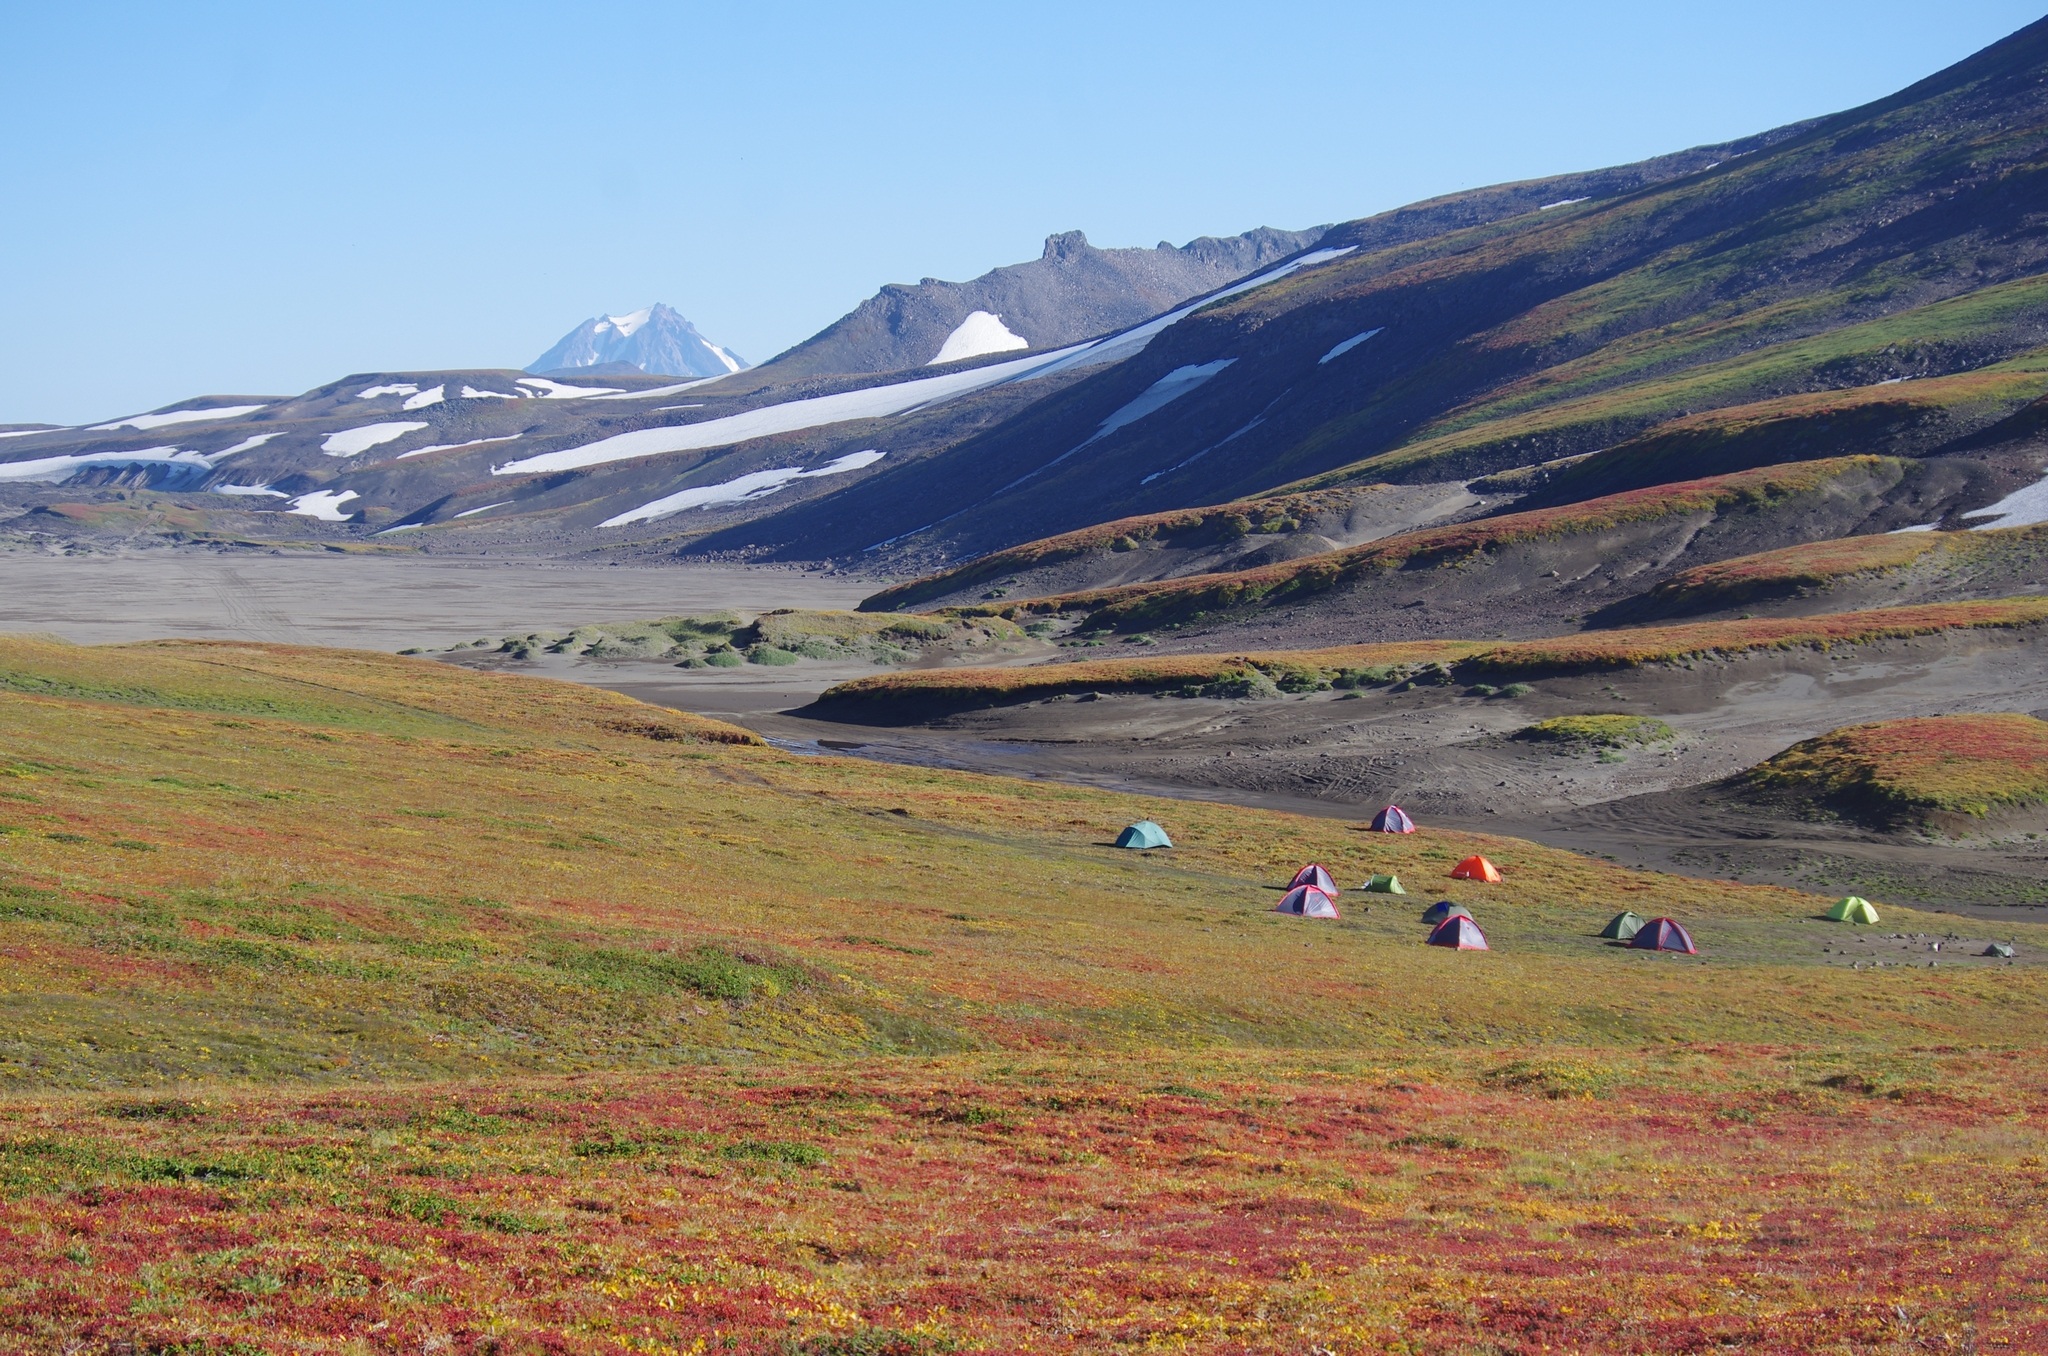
pixel 1843 324
pixel 655 340
pixel 1071 291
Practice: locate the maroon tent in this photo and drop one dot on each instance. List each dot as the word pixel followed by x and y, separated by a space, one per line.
pixel 1663 934
pixel 1307 901
pixel 1315 874
pixel 1393 819
pixel 1460 932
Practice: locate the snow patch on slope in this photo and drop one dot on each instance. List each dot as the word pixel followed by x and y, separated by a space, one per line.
pixel 246 445
pixel 450 447
pixel 872 402
pixel 980 334
pixel 2022 508
pixel 61 468
pixel 425 398
pixel 676 389
pixel 169 417
pixel 324 505
pixel 259 490
pixel 555 390
pixel 755 485
pixel 1353 342
pixel 404 388
pixel 353 442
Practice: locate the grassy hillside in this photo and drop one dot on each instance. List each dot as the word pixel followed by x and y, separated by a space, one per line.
pixel 1219 522
pixel 1970 765
pixel 955 1074
pixel 1912 374
pixel 1138 607
pixel 938 691
pixel 1815 567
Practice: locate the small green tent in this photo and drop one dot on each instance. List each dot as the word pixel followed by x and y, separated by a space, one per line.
pixel 1623 926
pixel 2000 949
pixel 1143 834
pixel 1384 885
pixel 1851 909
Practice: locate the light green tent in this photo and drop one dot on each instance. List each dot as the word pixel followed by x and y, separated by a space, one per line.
pixel 1623 926
pixel 1851 909
pixel 1384 885
pixel 1143 834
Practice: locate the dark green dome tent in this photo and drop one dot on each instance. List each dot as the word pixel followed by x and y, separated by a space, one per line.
pixel 1442 909
pixel 1623 926
pixel 1143 834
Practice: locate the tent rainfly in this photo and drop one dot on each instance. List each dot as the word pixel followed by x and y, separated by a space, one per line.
pixel 1442 909
pixel 1393 819
pixel 1143 834
pixel 1306 901
pixel 2001 949
pixel 1476 867
pixel 1316 874
pixel 1459 932
pixel 1383 885
pixel 1622 926
pixel 1852 909
pixel 1663 934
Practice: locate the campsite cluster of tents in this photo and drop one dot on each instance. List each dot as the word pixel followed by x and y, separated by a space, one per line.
pixel 1313 894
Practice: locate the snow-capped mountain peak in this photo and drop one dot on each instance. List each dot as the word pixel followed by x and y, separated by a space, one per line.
pixel 654 339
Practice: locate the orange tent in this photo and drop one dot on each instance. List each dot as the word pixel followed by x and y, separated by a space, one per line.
pixel 1476 867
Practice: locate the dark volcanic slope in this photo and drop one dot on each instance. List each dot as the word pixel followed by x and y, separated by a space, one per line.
pixel 1898 240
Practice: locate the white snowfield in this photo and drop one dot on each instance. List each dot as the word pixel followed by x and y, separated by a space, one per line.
pixel 755 485
pixel 472 393
pixel 554 390
pixel 1160 394
pixel 732 364
pixel 56 470
pixel 29 432
pixel 1353 342
pixel 169 417
pixel 353 442
pixel 404 388
pixel 62 468
pixel 1573 202
pixel 471 513
pixel 450 447
pixel 434 396
pixel 2022 508
pixel 260 490
pixel 246 445
pixel 652 392
pixel 1157 396
pixel 324 505
pixel 980 334
pixel 871 402
pixel 878 402
pixel 626 324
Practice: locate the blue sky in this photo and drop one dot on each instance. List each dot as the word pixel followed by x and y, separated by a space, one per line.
pixel 221 198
